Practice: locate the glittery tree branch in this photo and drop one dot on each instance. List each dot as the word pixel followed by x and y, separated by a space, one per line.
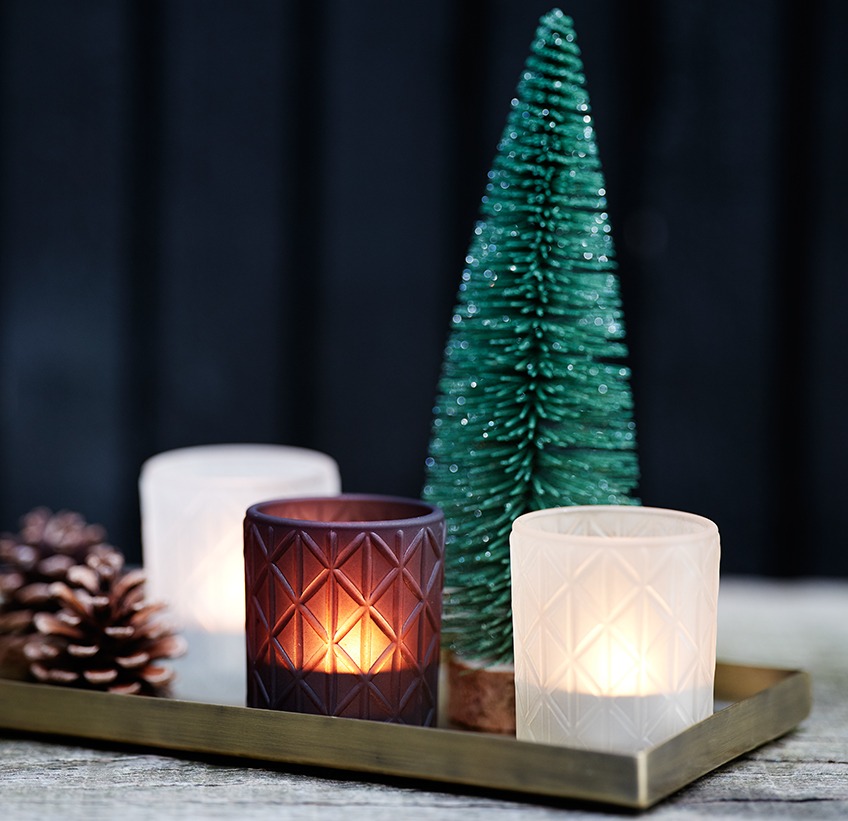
pixel 534 407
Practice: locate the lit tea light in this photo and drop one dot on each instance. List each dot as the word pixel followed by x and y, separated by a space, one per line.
pixel 614 612
pixel 344 606
pixel 360 644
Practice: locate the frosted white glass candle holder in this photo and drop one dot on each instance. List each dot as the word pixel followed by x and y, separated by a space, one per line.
pixel 614 617
pixel 193 502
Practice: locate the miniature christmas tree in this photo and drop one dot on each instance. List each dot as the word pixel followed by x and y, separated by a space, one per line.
pixel 534 407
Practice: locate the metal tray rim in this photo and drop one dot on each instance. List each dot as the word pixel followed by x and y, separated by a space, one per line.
pixel 766 703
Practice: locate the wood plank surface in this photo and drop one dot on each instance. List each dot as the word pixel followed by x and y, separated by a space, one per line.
pixel 802 775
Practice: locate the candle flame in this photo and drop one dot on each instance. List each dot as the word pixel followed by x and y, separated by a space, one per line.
pixel 361 642
pixel 614 664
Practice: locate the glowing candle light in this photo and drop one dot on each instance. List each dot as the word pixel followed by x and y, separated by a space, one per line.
pixel 614 610
pixel 344 606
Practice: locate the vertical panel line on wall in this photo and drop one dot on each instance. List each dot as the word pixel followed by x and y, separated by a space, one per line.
pixel 145 38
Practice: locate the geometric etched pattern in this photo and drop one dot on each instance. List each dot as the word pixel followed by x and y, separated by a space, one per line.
pixel 345 620
pixel 614 612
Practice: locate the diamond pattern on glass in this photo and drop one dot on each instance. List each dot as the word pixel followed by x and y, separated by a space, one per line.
pixel 344 623
pixel 614 627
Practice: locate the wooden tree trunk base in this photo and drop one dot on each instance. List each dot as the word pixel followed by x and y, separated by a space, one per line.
pixel 481 698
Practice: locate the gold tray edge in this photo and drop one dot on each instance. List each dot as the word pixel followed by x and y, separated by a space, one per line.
pixel 729 733
pixel 769 702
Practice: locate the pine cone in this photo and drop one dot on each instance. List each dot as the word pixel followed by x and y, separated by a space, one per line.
pixel 62 532
pixel 48 545
pixel 103 635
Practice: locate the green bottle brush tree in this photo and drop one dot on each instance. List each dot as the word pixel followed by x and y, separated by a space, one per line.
pixel 534 407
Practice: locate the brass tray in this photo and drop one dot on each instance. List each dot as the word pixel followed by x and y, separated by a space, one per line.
pixel 766 703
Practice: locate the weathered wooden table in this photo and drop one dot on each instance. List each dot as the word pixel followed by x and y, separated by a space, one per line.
pixel 803 775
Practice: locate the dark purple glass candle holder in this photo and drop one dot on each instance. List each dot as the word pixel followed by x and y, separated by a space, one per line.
pixel 344 602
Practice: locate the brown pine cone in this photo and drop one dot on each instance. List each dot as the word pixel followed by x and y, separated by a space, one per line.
pixel 103 635
pixel 48 545
pixel 62 532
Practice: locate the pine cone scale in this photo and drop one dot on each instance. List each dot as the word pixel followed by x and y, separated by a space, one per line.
pixel 40 649
pixel 36 593
pixel 10 583
pixel 56 566
pixel 142 614
pixel 84 576
pixel 119 631
pixel 170 646
pixel 133 662
pixel 100 676
pixel 16 621
pixel 50 625
pixel 129 581
pixel 130 689
pixel 157 675
pixel 55 676
pixel 83 651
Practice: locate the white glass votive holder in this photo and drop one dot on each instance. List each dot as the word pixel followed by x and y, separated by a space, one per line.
pixel 193 502
pixel 614 617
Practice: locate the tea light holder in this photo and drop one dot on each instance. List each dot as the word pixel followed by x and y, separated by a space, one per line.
pixel 614 613
pixel 192 507
pixel 344 606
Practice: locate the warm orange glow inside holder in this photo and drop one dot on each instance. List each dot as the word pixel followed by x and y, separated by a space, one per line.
pixel 344 607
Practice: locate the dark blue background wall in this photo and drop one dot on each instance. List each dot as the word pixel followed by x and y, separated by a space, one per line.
pixel 245 221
